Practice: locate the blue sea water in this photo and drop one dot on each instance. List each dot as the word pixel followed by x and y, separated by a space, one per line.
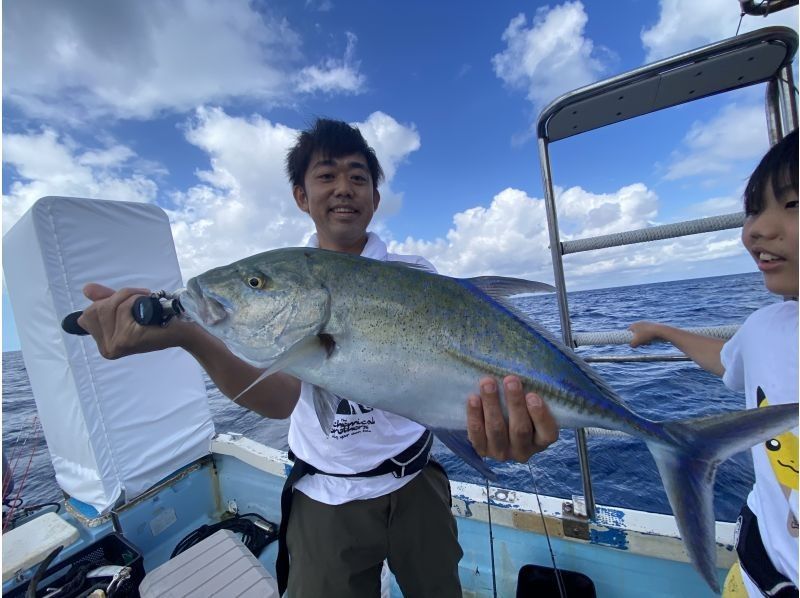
pixel 623 472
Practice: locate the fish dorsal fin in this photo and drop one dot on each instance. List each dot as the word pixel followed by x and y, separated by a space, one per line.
pixel 411 265
pixel 501 288
pixel 310 348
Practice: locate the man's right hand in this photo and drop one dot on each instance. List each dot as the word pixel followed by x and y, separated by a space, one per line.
pixel 108 319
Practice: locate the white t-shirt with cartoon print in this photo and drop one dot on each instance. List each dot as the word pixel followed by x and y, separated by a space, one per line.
pixel 761 359
pixel 360 439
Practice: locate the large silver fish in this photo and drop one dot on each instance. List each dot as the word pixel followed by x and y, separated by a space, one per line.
pixel 395 337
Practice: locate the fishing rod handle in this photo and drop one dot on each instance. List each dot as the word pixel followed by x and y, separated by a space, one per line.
pixel 146 311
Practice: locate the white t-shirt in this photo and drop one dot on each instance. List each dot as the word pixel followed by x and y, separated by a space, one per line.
pixel 761 359
pixel 360 438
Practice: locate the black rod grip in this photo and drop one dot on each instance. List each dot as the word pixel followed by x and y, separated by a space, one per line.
pixel 71 326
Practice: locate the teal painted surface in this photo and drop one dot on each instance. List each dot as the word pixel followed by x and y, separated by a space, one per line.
pixel 616 573
pixel 195 500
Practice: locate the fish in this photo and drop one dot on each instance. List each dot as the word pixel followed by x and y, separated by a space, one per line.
pixel 393 336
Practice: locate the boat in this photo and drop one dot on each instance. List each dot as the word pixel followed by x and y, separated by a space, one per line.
pixel 144 473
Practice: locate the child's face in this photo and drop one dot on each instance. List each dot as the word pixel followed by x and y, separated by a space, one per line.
pixel 771 238
pixel 340 196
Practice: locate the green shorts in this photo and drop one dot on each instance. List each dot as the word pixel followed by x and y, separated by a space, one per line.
pixel 338 550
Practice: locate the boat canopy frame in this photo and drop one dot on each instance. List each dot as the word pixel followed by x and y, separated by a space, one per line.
pixel 761 56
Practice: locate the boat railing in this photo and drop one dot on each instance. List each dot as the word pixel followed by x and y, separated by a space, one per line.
pixel 655 233
pixel 762 56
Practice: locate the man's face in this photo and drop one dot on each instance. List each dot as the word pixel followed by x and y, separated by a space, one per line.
pixel 771 238
pixel 340 196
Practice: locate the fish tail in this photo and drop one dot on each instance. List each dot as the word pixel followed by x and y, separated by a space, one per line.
pixel 688 458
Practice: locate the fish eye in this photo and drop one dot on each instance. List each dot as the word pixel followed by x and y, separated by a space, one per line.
pixel 257 281
pixel 773 444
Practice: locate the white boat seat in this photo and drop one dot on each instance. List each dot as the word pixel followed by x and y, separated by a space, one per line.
pixel 31 542
pixel 221 565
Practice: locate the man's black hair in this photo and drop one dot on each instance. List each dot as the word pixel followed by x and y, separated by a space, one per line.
pixel 332 139
pixel 778 169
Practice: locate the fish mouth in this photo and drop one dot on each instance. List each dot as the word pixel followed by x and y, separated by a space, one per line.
pixel 205 306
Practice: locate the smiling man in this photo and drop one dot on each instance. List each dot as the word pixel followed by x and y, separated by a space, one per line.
pixel 374 494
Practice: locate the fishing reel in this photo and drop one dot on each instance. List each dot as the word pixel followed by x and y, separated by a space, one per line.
pixel 156 309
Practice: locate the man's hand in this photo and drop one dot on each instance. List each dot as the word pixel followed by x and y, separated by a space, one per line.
pixel 108 319
pixel 531 427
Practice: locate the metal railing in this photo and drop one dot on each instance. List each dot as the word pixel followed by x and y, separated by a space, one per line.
pixel 752 58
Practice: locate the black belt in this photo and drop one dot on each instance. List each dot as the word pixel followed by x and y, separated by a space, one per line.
pixel 755 561
pixel 408 462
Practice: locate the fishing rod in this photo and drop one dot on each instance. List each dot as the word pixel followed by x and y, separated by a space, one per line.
pixel 156 309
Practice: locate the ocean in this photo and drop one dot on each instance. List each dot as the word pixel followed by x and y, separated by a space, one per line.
pixel 623 473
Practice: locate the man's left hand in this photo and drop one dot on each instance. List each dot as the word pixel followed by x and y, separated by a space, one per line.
pixel 531 427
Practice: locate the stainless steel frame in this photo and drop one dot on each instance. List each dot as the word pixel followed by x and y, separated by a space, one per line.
pixel 749 59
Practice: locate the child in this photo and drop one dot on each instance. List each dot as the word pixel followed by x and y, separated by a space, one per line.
pixel 761 359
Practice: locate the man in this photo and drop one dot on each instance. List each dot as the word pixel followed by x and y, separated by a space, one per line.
pixel 357 508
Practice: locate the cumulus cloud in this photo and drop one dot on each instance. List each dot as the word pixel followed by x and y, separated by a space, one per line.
pixel 82 60
pixel 731 142
pixel 393 143
pixel 686 24
pixel 586 214
pixel 44 163
pixel 511 238
pixel 243 203
pixel 552 55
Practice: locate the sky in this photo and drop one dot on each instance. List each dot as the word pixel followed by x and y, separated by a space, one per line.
pixel 192 104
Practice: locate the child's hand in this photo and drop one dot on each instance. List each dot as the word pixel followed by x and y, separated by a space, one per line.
pixel 644 333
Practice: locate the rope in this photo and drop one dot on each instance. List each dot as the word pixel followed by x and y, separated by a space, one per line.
pixel 562 590
pixel 655 233
pixel 17 500
pixel 16 453
pixel 491 538
pixel 624 337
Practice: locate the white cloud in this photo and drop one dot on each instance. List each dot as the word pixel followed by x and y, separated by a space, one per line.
pixel 731 142
pixel 687 24
pixel 585 214
pixel 511 238
pixel 715 206
pixel 45 164
pixel 241 204
pixel 393 143
pixel 244 204
pixel 71 61
pixel 334 75
pixel 550 57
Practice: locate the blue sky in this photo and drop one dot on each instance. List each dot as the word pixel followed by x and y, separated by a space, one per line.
pixel 191 105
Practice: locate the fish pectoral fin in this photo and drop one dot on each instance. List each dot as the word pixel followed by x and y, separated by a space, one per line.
pixel 325 405
pixel 458 442
pixel 307 351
